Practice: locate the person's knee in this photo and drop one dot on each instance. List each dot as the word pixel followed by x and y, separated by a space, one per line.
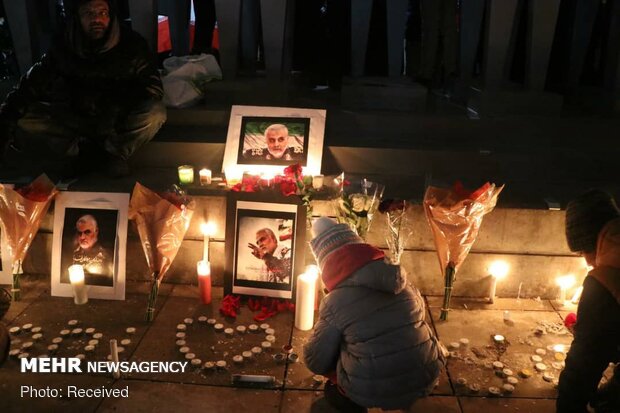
pixel 149 112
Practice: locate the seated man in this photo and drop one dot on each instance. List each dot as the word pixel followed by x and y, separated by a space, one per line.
pixel 96 93
pixel 277 146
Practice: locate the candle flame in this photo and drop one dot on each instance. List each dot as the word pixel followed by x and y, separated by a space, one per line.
pixel 499 269
pixel 565 281
pixel 559 348
pixel 203 268
pixel 76 273
pixel 312 270
pixel 208 228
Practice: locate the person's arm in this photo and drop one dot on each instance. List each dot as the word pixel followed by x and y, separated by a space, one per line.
pixel 148 76
pixel 590 352
pixel 323 348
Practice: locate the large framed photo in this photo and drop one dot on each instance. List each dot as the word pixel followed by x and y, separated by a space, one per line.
pixel 266 248
pixel 265 139
pixel 90 229
pixel 6 270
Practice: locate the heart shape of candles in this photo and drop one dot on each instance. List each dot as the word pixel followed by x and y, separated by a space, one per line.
pixel 258 341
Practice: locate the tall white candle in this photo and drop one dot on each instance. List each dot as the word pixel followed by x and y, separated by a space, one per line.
pixel 304 304
pixel 114 353
pixel 577 295
pixel 76 277
pixel 565 282
pixel 208 230
pixel 497 271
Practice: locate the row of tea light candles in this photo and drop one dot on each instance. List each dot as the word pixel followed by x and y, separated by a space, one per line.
pixel 233 176
pixel 498 270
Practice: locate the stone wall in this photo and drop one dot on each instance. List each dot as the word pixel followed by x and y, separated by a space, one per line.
pixel 530 240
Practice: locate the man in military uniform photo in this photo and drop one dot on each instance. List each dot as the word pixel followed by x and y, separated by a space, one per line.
pixel 90 254
pixel 277 146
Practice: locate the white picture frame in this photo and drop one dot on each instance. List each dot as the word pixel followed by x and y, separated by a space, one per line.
pixel 75 216
pixel 247 150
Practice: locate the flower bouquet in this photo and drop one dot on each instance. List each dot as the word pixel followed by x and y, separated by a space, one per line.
pixel 455 216
pixel 357 203
pixel 162 221
pixel 398 228
pixel 21 212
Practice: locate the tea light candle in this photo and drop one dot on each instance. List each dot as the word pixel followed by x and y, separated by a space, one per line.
pixel 114 353
pixel 498 338
pixel 317 181
pixel 76 277
pixel 233 175
pixel 205 176
pixel 208 230
pixel 186 174
pixel 204 281
pixel 497 271
pixel 304 305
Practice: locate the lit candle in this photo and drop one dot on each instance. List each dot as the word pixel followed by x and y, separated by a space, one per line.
pixel 577 295
pixel 565 282
pixel 76 276
pixel 208 230
pixel 313 271
pixel 186 174
pixel 304 304
pixel 204 281
pixel 267 179
pixel 114 353
pixel 205 176
pixel 233 175
pixel 498 270
pixel 317 181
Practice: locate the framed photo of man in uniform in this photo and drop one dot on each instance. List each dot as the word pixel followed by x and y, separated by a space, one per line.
pixel 267 139
pixel 268 250
pixel 90 229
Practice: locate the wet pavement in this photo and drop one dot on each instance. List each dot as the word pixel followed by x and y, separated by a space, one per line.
pixel 478 369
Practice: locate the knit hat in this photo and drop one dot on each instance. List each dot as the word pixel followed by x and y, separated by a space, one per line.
pixel 586 215
pixel 352 252
pixel 328 237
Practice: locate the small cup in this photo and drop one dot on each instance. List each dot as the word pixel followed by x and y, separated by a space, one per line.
pixel 186 174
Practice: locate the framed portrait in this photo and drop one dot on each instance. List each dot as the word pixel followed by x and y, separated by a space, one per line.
pixel 266 250
pixel 265 139
pixel 6 270
pixel 90 229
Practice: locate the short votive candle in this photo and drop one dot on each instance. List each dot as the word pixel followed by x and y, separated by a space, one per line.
pixel 318 181
pixel 205 176
pixel 186 174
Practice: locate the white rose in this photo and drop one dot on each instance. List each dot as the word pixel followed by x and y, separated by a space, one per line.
pixel 358 202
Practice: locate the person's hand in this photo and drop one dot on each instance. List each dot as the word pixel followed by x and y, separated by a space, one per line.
pixel 255 251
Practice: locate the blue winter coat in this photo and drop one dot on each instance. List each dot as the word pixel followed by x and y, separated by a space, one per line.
pixel 371 331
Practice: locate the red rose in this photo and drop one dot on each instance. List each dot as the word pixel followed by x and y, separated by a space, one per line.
pixel 293 171
pixel 288 187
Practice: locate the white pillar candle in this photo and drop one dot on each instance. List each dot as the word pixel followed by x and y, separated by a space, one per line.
pixel 497 271
pixel 76 276
pixel 304 304
pixel 317 181
pixel 208 230
pixel 114 353
pixel 565 282
pixel 205 176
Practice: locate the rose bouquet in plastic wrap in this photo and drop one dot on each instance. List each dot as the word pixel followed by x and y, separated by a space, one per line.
pixel 455 216
pixel 357 203
pixel 162 219
pixel 398 228
pixel 21 212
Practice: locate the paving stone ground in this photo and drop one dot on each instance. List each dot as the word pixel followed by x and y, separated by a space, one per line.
pixel 519 321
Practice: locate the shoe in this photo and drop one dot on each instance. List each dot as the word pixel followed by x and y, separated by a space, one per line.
pixel 117 168
pixel 336 398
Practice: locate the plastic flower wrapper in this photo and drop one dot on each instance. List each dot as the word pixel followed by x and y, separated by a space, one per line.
pixel 162 221
pixel 455 216
pixel 398 228
pixel 357 203
pixel 21 212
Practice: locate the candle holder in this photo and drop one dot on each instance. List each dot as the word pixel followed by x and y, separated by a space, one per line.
pixel 205 176
pixel 76 277
pixel 186 174
pixel 318 181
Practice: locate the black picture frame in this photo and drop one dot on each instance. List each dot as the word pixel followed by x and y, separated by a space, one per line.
pixel 247 215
